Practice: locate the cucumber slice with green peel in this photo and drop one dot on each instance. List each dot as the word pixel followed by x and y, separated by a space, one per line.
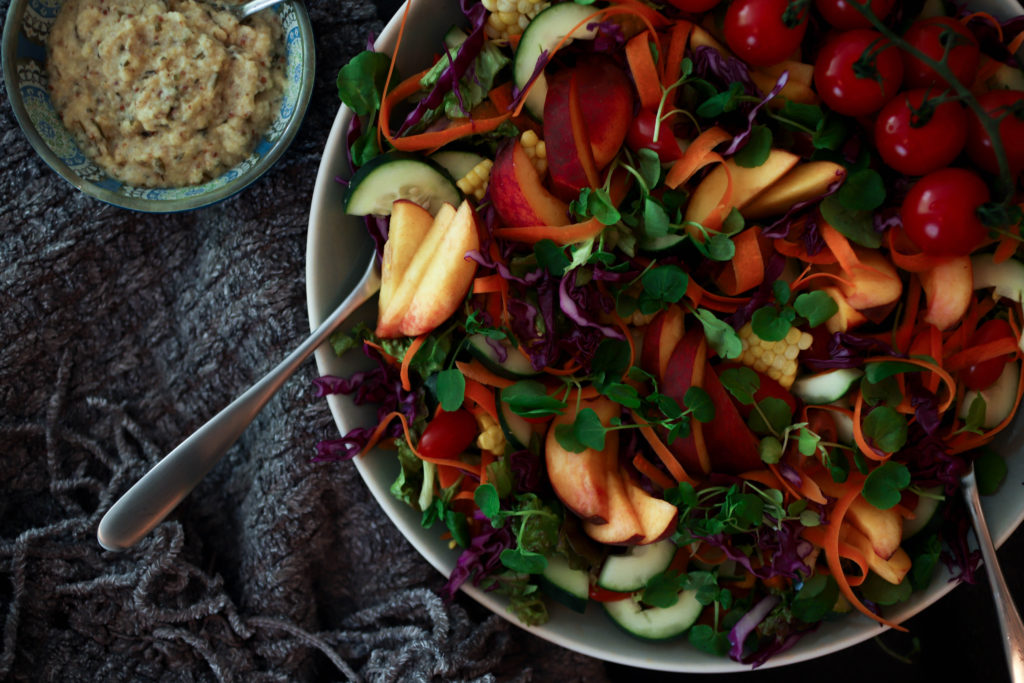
pixel 927 505
pixel 457 162
pixel 399 175
pixel 825 387
pixel 632 570
pixel 516 429
pixel 542 34
pixel 655 623
pixel 1006 277
pixel 569 586
pixel 514 366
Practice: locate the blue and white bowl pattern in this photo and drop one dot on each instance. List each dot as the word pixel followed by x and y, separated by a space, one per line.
pixel 30 67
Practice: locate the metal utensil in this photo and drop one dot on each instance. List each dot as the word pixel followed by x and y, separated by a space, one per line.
pixel 153 497
pixel 1009 618
pixel 252 7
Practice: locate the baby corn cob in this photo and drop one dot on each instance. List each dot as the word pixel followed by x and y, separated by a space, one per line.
pixel 509 17
pixel 776 359
pixel 475 182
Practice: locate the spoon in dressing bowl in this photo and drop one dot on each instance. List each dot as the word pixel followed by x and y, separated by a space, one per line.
pixel 160 490
pixel 1010 625
pixel 249 8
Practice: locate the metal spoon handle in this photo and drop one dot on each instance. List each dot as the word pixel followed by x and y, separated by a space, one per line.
pixel 153 497
pixel 254 6
pixel 1009 618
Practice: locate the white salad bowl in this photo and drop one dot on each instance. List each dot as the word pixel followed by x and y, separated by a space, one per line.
pixel 332 269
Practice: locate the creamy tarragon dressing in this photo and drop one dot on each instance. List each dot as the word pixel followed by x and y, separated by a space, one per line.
pixel 165 93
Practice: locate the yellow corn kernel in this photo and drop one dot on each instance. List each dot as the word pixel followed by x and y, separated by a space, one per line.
pixel 536 150
pixel 491 437
pixel 510 17
pixel 475 182
pixel 776 359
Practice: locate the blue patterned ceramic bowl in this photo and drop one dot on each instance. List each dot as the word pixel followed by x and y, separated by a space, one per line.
pixel 25 33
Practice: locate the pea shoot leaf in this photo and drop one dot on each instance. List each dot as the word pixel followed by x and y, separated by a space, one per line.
pixel 586 431
pixel 741 382
pixel 771 323
pixel 886 428
pixel 656 221
pixel 990 472
pixel 700 404
pixel 815 307
pixel 772 416
pixel 876 372
pixel 451 389
pixel 665 284
pixel 815 599
pixel 529 398
pixel 856 225
pixel 863 190
pixel 883 486
pixel 782 292
pixel 486 498
pixel 551 257
pixel 649 166
pixel 720 335
pixel 361 81
pixel 524 561
pixel 770 449
pixel 755 152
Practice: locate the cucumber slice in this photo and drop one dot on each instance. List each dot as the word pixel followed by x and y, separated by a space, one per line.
pixel 825 387
pixel 569 586
pixel 457 162
pixel 543 33
pixel 927 505
pixel 399 175
pixel 514 366
pixel 655 623
pixel 1006 277
pixel 632 570
pixel 517 430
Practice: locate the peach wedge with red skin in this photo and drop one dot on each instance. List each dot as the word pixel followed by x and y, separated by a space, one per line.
pixel 407 229
pixel 581 480
pixel 437 279
pixel 948 288
pixel 518 193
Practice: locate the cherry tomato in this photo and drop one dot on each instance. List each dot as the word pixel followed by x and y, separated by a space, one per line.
pixel 857 72
pixel 448 434
pixel 641 135
pixel 984 374
pixel 843 15
pixel 1008 107
pixel 915 139
pixel 693 5
pixel 764 32
pixel 940 213
pixel 931 36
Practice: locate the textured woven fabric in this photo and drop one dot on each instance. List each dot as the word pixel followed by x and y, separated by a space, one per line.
pixel 120 334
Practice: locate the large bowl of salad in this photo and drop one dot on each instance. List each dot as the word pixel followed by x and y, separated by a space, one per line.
pixel 691 316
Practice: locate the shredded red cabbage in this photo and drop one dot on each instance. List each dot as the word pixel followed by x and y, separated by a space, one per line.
pixel 482 558
pixel 748 623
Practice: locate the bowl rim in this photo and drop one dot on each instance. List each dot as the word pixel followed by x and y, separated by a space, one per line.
pixel 12 25
pixel 572 634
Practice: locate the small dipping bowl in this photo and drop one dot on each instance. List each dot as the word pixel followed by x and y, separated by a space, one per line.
pixel 23 50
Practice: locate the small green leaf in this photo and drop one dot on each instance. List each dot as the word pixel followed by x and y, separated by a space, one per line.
pixel 883 486
pixel 815 307
pixel 451 389
pixel 771 324
pixel 810 518
pixel 772 416
pixel 771 450
pixel 807 441
pixel 623 394
pixel 885 392
pixel 720 335
pixel 662 590
pixel 886 428
pixel 700 404
pixel 649 167
pixel 863 190
pixel 599 205
pixel 565 435
pixel 725 101
pixel 757 148
pixel 361 81
pixel 782 292
pixel 529 398
pixel 665 283
pixel 486 498
pixel 990 472
pixel 741 382
pixel 524 561
pixel 815 599
pixel 876 372
pixel 610 362
pixel 857 226
pixel 706 639
pixel 551 257
pixel 589 430
pixel 720 247
pixel 656 221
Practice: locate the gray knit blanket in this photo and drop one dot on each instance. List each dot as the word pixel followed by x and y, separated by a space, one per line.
pixel 121 333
